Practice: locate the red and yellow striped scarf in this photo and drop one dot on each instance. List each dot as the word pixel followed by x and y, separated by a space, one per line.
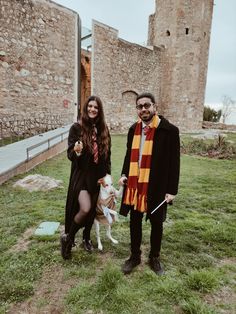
pixel 137 187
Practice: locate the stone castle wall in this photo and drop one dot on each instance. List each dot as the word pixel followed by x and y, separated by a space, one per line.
pixel 121 70
pixel 38 64
pixel 184 30
pixel 174 69
pixel 38 48
pixel 21 126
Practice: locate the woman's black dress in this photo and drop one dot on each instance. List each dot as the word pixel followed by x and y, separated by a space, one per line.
pixel 84 174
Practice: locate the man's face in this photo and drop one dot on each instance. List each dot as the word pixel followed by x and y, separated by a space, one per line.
pixel 146 109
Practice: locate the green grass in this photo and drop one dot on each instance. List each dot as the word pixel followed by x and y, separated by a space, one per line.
pixel 9 140
pixel 198 249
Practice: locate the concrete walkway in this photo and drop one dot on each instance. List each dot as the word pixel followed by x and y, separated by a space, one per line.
pixel 12 155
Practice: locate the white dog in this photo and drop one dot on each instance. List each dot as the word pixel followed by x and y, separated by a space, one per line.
pixel 105 211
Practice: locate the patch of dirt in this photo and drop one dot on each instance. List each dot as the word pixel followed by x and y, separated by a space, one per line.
pixel 227 261
pixel 177 309
pixel 48 296
pixel 226 295
pixel 23 242
pixel 49 291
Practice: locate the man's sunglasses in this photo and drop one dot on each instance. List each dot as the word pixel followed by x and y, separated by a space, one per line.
pixel 147 105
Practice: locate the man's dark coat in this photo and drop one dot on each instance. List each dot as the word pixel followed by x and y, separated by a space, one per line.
pixel 165 164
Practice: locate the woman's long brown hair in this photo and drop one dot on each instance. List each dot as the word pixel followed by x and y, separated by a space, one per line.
pixel 103 137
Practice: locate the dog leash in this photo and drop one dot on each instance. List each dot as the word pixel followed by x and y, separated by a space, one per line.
pixel 158 206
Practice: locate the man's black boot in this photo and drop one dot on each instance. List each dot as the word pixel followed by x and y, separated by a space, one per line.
pixel 130 264
pixel 155 265
pixel 66 246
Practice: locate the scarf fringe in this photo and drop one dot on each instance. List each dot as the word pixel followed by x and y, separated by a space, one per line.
pixel 137 200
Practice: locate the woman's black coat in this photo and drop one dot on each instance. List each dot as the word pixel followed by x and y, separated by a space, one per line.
pixel 165 165
pixel 83 170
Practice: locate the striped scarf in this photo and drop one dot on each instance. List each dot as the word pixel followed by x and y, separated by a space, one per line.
pixel 137 187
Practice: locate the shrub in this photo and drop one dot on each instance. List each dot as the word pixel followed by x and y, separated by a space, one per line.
pixel 219 148
pixel 210 114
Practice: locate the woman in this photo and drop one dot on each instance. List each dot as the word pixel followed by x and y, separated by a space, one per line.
pixel 89 146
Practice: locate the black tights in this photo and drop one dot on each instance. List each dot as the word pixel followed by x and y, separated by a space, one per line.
pixel 88 225
pixel 84 200
pixel 85 216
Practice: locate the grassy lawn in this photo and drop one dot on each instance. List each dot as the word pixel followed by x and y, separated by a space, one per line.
pixel 198 250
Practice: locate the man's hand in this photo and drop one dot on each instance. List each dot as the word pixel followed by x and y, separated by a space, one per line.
pixel 169 198
pixel 123 180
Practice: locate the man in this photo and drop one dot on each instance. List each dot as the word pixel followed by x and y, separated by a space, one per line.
pixel 151 175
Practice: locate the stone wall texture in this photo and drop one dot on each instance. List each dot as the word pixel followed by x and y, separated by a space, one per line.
pixel 121 70
pixel 38 48
pixel 183 27
pixel 173 66
pixel 38 65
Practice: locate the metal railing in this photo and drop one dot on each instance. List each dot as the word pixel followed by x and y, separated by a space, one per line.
pixel 48 142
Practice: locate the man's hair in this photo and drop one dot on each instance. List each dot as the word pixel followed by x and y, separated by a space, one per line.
pixel 147 95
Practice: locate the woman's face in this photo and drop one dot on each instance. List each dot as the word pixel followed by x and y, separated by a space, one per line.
pixel 92 109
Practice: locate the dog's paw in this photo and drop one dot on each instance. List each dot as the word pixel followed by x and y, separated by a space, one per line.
pixel 114 241
pixel 100 247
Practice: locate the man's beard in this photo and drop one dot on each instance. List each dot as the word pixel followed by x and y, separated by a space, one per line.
pixel 148 118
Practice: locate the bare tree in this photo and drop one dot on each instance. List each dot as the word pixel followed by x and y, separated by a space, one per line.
pixel 227 108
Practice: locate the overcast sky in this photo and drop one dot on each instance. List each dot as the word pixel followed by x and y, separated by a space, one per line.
pixel 130 18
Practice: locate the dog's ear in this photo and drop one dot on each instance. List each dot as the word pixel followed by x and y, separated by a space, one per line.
pixel 101 181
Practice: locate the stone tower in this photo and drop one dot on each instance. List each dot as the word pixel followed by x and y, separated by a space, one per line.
pixel 183 27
